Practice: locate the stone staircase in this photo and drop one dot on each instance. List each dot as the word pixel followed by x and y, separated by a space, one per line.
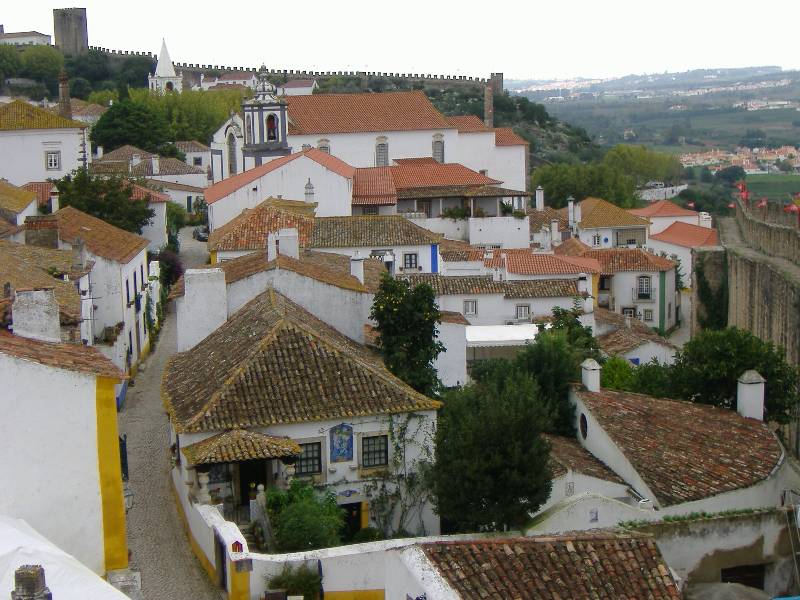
pixel 247 532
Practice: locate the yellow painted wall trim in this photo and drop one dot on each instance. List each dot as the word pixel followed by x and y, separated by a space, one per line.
pixel 213 257
pixel 596 287
pixel 364 514
pixel 112 500
pixel 198 551
pixel 355 595
pixel 240 583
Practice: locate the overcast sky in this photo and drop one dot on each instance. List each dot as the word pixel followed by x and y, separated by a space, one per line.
pixel 523 39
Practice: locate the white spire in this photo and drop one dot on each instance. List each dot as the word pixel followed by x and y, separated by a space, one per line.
pixel 164 68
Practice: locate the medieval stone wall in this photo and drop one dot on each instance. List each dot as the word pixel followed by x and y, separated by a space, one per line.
pixel 781 238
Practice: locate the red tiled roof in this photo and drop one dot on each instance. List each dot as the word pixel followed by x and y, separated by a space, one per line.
pixel 596 212
pixel 625 339
pixel 249 230
pixel 585 566
pixel 468 124
pixel 567 453
pixel 374 185
pixel 543 218
pixel 42 190
pixel 101 238
pixel 354 113
pixel 505 136
pixel 571 247
pixel 125 153
pixel 231 184
pixel 689 236
pixel 298 83
pixel 525 262
pixel 143 193
pixel 685 451
pixel 70 357
pixel 191 146
pixel 663 208
pixel 613 260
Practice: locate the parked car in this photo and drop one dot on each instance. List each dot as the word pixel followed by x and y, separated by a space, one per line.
pixel 200 234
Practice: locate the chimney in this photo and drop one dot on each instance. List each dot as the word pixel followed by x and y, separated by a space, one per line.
pixel 64 104
pixel 627 321
pixel 546 244
pixel 357 267
pixel 156 166
pixel 42 231
pixel 539 199
pixel 136 158
pixel 309 191
pixel 54 206
pixel 750 395
pixel 488 106
pixel 555 234
pixel 30 584
pixel 577 213
pixel 204 306
pixel 288 243
pixel 272 246
pixel 98 150
pixel 590 375
pixel 571 211
pixel 34 315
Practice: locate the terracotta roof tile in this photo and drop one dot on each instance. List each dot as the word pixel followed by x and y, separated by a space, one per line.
pixel 567 453
pixel 151 195
pixel 239 444
pixel 579 567
pixel 7 229
pixel 70 357
pixel 543 218
pixel 456 318
pixel 600 213
pixel 374 185
pixel 689 236
pixel 624 340
pixel 468 124
pixel 280 365
pixel 249 230
pixel 166 166
pixel 354 113
pixel 571 247
pixel 360 231
pixel 157 184
pixel 18 115
pixel 505 136
pixel 298 83
pixel 526 262
pixel 191 146
pixel 682 450
pixel 125 154
pixel 15 199
pixel 42 189
pixel 101 238
pixel 613 260
pixel 445 285
pixel 663 208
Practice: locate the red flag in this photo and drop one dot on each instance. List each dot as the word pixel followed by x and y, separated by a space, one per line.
pixel 762 203
pixel 732 205
pixel 746 196
pixel 791 208
pixel 690 204
pixel 740 185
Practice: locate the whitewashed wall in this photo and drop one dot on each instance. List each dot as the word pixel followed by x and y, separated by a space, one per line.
pixel 509 232
pixel 683 253
pixel 649 351
pixel 476 151
pixel 155 231
pixel 194 179
pixel 24 157
pixel 509 166
pixel 451 365
pixel 582 484
pixel 587 511
pixel 423 255
pixel 659 224
pixel 495 309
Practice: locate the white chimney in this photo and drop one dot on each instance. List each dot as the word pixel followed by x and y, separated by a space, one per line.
pixel 309 191
pixel 750 395
pixel 135 159
pixel 577 213
pixel 584 284
pixel 555 235
pixel 272 246
pixel 590 375
pixel 545 237
pixel 34 314
pixel 203 308
pixel 289 243
pixel 54 205
pixel 539 199
pixel 156 166
pixel 357 267
pixel 98 151
pixel 571 211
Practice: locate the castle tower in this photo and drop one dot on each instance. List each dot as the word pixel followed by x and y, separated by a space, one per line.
pixel 71 33
pixel 165 79
pixel 265 123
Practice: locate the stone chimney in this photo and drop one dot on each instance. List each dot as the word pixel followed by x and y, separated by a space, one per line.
pixel 590 375
pixel 155 164
pixel 34 315
pixel 203 308
pixel 42 231
pixel 136 158
pixel 539 198
pixel 64 104
pixel 488 106
pixel 289 242
pixel 750 395
pixel 98 151
pixel 571 211
pixel 272 246
pixel 30 584
pixel 555 234
pixel 309 191
pixel 357 267
pixel 547 242
pixel 577 213
pixel 54 205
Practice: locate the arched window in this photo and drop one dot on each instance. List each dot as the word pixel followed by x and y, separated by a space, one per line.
pixel 248 131
pixel 643 287
pixel 169 86
pixel 324 146
pixel 231 154
pixel 438 148
pixel 272 128
pixel 381 152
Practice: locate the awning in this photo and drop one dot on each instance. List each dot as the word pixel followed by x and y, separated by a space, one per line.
pixel 479 336
pixel 239 444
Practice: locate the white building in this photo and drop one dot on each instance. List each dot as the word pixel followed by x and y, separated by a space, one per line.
pixel 677 241
pixel 186 196
pixel 298 87
pixel 130 161
pixel 24 38
pixel 601 224
pixel 664 213
pixel 155 231
pixel 17 203
pixel 65 393
pixel 197 155
pixel 243 78
pixel 165 79
pixel 37 144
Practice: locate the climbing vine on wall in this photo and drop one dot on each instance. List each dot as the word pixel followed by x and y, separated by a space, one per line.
pixel 714 302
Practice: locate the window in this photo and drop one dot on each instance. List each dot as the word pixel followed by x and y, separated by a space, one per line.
pixel 643 287
pixel 272 128
pixel 438 148
pixel 596 239
pixel 523 311
pixel 310 460
pixel 53 160
pixel 648 314
pixel 605 283
pixel 629 312
pixel 197 161
pixel 324 146
pixel 248 130
pixel 381 152
pixel 188 204
pixel 483 171
pixel 141 275
pixel 470 307
pixel 369 210
pixel 231 154
pixel 410 260
pixel 584 426
pixel 127 292
pixel 375 451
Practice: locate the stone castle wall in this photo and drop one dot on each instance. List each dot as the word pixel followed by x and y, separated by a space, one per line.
pixel 777 236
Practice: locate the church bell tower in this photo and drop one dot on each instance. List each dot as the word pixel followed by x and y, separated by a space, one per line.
pixel 265 123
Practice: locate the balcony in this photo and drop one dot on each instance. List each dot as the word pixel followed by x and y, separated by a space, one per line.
pixel 642 297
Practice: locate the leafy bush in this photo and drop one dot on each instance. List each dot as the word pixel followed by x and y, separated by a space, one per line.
pixel 303 519
pixel 171 267
pixel 300 581
pixel 368 534
pixel 456 213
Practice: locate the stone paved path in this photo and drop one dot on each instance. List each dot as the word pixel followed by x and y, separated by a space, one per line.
pixel 156 538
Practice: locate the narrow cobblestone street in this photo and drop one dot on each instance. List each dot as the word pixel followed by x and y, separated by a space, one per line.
pixel 156 537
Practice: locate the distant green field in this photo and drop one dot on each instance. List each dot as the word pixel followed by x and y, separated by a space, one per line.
pixel 775 187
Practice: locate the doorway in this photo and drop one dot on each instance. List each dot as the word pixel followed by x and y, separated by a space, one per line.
pixel 251 471
pixel 352 520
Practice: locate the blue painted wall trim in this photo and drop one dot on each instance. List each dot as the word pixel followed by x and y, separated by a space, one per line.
pixel 434 258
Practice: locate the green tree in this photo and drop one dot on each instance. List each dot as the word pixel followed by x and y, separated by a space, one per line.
pixel 407 318
pixel 617 374
pixel 109 199
pixel 706 176
pixel 134 71
pixel 560 181
pixel 730 175
pixel 42 63
pixel 92 66
pixel 128 122
pixel 644 165
pixel 303 519
pixel 492 465
pixel 10 62
pixel 80 88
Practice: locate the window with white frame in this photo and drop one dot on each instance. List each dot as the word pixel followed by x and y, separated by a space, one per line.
pixel 375 451
pixel 53 160
pixel 381 152
pixel 523 311
pixel 438 148
pixel 470 308
pixel 197 161
pixel 310 460
pixel 629 312
pixel 410 260
pixel 596 239
pixel 324 146
pixel 648 314
pixel 643 287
